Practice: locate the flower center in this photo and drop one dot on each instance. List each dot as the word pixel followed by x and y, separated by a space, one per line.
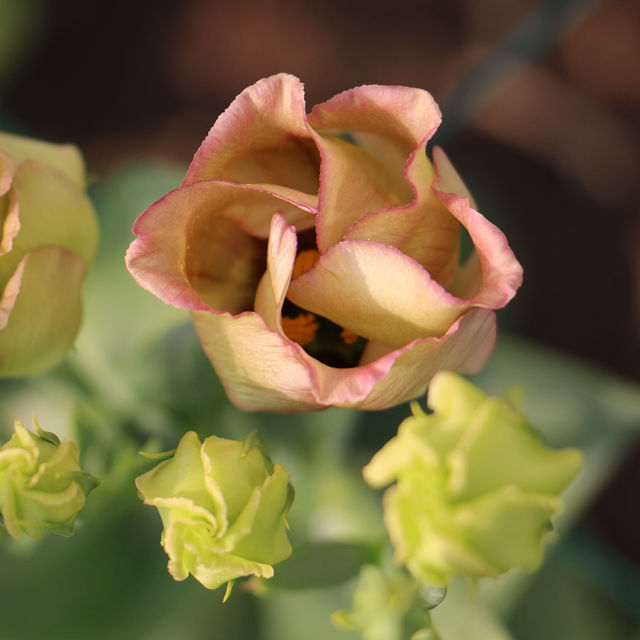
pixel 331 344
pixel 301 329
pixel 304 261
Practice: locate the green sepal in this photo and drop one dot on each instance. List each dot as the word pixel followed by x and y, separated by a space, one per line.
pixel 46 435
pixel 86 481
pixel 162 455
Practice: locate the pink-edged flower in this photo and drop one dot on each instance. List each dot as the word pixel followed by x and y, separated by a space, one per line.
pixel 319 254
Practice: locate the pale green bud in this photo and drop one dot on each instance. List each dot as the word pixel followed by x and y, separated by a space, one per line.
pixel 42 487
pixel 223 505
pixel 48 237
pixel 475 486
pixel 387 606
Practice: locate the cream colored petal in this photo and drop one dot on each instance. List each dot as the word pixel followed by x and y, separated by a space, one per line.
pixel 354 183
pixel 52 211
pixel 377 292
pixel 403 374
pixel 264 371
pixel 449 179
pixel 260 369
pixel 423 230
pixel 40 311
pixel 387 120
pixel 391 125
pixel 203 246
pixel 262 138
pixel 64 158
pixel 281 255
pixel 495 272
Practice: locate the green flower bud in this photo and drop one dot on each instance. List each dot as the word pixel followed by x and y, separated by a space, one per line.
pixel 42 487
pixel 48 237
pixel 387 606
pixel 223 506
pixel 475 487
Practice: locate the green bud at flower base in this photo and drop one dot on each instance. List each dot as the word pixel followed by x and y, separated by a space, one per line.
pixel 42 487
pixel 475 487
pixel 387 606
pixel 223 505
pixel 48 237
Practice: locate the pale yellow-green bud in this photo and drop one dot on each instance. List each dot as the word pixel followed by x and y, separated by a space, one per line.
pixel 223 505
pixel 48 237
pixel 42 487
pixel 475 486
pixel 387 606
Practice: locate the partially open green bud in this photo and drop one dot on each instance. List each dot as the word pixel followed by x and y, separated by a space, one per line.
pixel 42 487
pixel 387 606
pixel 223 505
pixel 475 487
pixel 48 237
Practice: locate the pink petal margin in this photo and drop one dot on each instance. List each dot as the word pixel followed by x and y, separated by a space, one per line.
pixel 7 171
pixel 157 257
pixel 272 289
pixel 271 116
pixel 403 374
pixel 263 370
pixel 11 224
pixel 501 273
pixel 401 121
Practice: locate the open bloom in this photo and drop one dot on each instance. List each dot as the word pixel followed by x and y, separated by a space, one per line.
pixel 475 487
pixel 48 238
pixel 319 254
pixel 42 486
pixel 223 506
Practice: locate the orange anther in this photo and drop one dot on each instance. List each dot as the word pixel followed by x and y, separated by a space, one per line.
pixel 304 261
pixel 348 336
pixel 301 329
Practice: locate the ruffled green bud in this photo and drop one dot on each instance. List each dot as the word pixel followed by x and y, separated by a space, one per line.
pixel 48 237
pixel 387 606
pixel 475 486
pixel 223 506
pixel 42 487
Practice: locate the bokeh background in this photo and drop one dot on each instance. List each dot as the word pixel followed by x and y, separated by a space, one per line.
pixel 541 107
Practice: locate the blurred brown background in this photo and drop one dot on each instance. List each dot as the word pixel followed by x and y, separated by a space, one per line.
pixel 541 104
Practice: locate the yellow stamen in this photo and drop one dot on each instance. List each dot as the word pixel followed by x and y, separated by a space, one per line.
pixel 301 329
pixel 304 261
pixel 348 336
